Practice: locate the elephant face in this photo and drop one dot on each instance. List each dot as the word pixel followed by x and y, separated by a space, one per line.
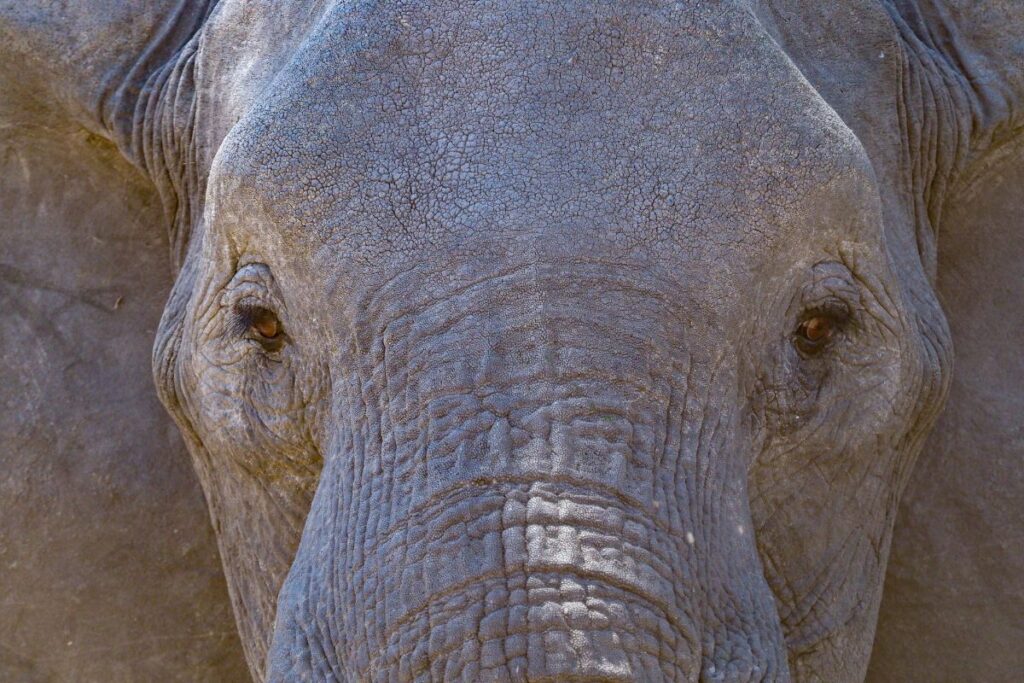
pixel 570 343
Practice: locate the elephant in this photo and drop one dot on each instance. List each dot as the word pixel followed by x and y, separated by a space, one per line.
pixel 513 341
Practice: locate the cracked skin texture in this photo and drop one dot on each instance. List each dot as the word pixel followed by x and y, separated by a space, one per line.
pixel 538 409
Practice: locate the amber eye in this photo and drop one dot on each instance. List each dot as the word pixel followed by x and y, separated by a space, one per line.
pixel 261 324
pixel 814 333
pixel 265 323
pixel 817 328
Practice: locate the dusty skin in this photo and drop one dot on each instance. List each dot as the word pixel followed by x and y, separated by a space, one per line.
pixel 511 341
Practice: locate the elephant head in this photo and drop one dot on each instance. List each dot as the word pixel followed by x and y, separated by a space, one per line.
pixel 568 341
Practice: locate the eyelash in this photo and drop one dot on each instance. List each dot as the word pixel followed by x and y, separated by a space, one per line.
pixel 243 315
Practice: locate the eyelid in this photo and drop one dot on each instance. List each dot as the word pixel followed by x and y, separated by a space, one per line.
pixel 832 291
pixel 249 293
pixel 252 273
pixel 252 280
pixel 830 305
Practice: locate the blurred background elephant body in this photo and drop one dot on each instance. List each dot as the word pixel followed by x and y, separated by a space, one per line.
pixel 511 341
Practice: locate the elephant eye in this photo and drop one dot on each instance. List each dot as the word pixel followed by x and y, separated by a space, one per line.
pixel 814 332
pixel 819 328
pixel 261 324
pixel 266 324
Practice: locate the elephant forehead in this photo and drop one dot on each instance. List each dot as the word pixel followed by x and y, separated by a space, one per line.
pixel 447 125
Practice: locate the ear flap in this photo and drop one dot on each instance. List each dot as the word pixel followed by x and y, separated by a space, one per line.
pixel 953 596
pixel 980 45
pixel 120 69
pixel 108 565
pixel 929 86
pixel 934 90
pixel 95 63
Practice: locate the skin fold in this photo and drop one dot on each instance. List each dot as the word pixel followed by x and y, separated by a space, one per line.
pixel 552 341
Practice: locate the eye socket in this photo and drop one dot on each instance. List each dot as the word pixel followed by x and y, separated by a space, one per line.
pixel 261 324
pixel 818 329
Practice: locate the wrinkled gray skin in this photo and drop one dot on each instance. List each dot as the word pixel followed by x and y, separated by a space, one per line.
pixel 539 409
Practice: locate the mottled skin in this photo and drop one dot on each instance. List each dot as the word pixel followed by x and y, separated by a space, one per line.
pixel 539 403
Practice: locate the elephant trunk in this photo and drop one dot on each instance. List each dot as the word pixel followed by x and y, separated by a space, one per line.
pixel 516 490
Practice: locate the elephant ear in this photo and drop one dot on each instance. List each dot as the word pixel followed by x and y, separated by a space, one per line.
pixel 979 48
pixel 108 565
pixel 120 70
pixel 935 92
pixel 955 586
